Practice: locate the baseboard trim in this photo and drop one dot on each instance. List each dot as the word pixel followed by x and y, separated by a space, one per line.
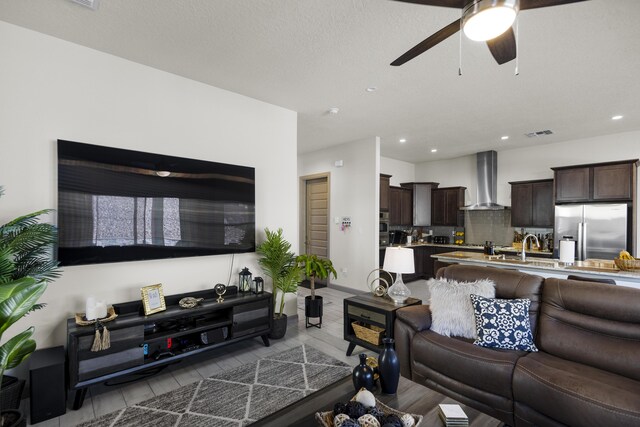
pixel 292 320
pixel 347 289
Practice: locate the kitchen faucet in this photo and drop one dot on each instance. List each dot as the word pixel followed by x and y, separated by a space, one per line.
pixel 524 245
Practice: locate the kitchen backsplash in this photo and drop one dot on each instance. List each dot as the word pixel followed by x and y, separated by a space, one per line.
pixel 480 226
pixel 494 226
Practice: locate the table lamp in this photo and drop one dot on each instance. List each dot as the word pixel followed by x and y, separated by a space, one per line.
pixel 398 260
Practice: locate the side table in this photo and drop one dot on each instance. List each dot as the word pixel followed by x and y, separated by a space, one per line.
pixel 372 310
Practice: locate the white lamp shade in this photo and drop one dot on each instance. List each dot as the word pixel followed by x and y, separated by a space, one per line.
pixel 489 24
pixel 398 260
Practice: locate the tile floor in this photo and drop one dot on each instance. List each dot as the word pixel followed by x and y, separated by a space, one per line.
pixel 102 399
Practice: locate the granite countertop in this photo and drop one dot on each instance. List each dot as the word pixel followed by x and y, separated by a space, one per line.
pixel 498 249
pixel 592 267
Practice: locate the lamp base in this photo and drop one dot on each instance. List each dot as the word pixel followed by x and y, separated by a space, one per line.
pixel 398 292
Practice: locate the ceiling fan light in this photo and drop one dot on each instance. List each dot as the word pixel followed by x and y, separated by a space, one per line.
pixel 486 19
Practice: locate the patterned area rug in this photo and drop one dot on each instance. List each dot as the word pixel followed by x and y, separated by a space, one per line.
pixel 236 397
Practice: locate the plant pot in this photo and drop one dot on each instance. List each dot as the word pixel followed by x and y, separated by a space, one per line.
pixel 279 327
pixel 313 307
pixel 13 418
pixel 11 392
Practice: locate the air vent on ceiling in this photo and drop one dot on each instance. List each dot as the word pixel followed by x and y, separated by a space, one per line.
pixel 91 4
pixel 539 133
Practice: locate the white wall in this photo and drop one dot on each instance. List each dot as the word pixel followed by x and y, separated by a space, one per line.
pixel 354 192
pixel 456 172
pixel 400 171
pixel 535 162
pixel 53 89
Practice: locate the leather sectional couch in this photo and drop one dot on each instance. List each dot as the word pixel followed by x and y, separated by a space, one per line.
pixel 587 369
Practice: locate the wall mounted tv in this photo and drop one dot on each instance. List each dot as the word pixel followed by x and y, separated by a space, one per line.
pixel 122 205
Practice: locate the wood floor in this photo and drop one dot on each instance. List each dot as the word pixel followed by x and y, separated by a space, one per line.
pixel 102 399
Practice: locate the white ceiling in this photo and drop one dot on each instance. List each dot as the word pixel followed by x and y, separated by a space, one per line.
pixel 578 66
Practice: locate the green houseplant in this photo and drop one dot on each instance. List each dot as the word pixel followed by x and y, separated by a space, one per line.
pixel 315 267
pixel 279 263
pixel 25 266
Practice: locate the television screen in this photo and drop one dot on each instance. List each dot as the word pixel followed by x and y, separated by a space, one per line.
pixel 123 205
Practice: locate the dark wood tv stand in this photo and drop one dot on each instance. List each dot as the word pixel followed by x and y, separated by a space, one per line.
pixel 144 344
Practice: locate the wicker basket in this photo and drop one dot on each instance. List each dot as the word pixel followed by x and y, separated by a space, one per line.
pixel 325 419
pixel 627 264
pixel 369 333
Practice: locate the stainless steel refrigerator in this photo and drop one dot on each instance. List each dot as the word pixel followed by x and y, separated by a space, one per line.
pixel 600 230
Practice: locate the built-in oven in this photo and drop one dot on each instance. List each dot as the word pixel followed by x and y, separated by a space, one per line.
pixel 384 229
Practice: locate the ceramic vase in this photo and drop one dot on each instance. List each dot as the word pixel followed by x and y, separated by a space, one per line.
pixel 363 375
pixel 389 367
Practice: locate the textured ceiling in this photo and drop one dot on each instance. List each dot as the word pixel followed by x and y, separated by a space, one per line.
pixel 578 66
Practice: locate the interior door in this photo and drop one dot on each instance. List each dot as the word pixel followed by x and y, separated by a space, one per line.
pixel 317 217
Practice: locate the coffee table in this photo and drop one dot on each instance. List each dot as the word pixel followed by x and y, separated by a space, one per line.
pixel 411 397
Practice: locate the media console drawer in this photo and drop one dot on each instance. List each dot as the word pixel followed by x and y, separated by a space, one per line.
pixel 367 314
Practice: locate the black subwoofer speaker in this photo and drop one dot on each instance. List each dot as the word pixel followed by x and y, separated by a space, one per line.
pixel 48 389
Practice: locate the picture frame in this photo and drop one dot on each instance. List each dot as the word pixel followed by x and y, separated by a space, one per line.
pixel 153 299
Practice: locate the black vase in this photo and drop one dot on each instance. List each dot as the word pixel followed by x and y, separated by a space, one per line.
pixel 363 375
pixel 389 367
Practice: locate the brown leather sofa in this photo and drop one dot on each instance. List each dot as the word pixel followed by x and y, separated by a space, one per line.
pixel 587 370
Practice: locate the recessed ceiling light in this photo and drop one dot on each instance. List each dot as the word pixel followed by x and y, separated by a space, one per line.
pixel 504 138
pixel 334 110
pixel 372 89
pixel 616 117
pixel 434 150
pixel 402 140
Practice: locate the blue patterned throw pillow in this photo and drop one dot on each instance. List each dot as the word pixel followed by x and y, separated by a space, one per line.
pixel 503 323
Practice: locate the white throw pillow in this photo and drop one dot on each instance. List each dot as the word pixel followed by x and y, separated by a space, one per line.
pixel 451 308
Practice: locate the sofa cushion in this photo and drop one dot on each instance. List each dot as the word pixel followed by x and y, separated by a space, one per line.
pixel 510 284
pixel 450 304
pixel 575 394
pixel 457 358
pixel 502 323
pixel 592 323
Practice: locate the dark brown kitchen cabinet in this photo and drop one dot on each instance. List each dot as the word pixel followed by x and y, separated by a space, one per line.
pixel 445 206
pixel 400 206
pixel 573 185
pixel 384 192
pixel 613 182
pixel 532 203
pixel 421 199
pixel 599 182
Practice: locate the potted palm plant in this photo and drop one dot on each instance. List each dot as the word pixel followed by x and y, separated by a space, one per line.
pixel 320 268
pixel 279 263
pixel 25 266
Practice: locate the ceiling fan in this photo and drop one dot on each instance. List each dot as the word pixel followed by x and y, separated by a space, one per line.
pixel 482 20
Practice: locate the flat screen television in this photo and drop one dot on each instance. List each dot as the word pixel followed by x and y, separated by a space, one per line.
pixel 121 205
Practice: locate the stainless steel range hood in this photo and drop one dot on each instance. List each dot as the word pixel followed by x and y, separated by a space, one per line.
pixel 487 170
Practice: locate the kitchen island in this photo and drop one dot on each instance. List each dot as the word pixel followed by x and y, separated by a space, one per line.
pixel 597 269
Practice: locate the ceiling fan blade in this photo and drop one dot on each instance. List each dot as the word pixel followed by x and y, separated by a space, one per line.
pixel 458 4
pixel 534 4
pixel 503 48
pixel 428 43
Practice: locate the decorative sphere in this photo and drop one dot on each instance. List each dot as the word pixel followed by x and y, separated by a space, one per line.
pixel 376 412
pixel 339 419
pixel 407 420
pixel 350 423
pixel 393 420
pixel 355 410
pixel 339 408
pixel 368 420
pixel 367 398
